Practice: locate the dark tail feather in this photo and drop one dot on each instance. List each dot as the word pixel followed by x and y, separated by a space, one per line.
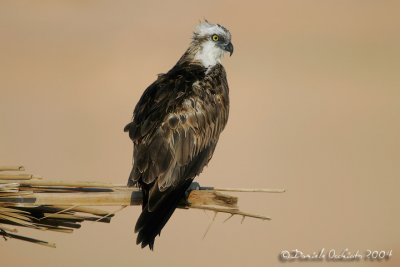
pixel 150 223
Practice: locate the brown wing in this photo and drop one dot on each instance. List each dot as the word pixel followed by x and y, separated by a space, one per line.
pixel 175 151
pixel 176 126
pixel 175 129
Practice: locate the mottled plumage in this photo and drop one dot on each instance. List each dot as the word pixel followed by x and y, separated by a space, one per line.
pixel 176 126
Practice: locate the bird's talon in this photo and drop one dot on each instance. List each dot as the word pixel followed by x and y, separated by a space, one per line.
pixel 194 186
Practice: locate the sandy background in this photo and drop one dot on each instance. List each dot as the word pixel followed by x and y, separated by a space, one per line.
pixel 315 108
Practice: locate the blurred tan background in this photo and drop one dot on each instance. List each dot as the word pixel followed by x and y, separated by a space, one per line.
pixel 315 108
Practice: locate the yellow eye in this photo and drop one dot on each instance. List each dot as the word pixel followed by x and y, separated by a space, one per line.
pixel 215 38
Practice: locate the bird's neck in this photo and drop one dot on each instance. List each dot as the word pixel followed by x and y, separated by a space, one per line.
pixel 202 54
pixel 209 55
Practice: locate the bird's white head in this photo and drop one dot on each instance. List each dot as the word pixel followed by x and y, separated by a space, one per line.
pixel 212 41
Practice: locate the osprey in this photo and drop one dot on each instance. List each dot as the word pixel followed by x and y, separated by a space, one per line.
pixel 176 126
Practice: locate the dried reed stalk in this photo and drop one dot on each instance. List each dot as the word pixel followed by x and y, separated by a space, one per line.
pixel 29 202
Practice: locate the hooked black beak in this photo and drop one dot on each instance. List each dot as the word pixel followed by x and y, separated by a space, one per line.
pixel 229 48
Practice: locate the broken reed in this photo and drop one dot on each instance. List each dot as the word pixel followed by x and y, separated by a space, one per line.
pixel 31 202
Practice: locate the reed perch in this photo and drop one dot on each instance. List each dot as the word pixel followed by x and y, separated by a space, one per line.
pixel 32 202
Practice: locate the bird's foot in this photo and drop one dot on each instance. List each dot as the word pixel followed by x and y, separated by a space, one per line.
pixel 192 186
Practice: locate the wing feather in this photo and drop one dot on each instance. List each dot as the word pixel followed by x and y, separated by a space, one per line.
pixel 175 128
